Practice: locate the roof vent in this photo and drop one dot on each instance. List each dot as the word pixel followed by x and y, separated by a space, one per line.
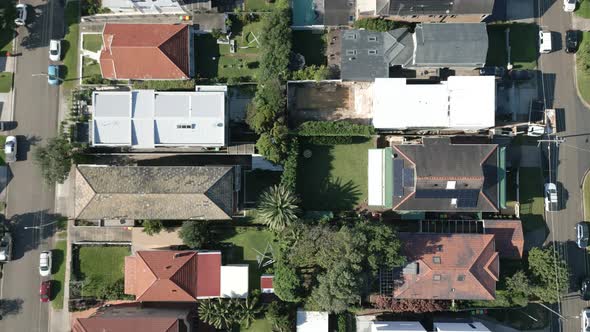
pixel 169 266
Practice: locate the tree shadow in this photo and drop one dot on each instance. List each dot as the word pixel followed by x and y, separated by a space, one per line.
pixel 206 56
pixel 10 307
pixel 24 143
pixel 34 38
pixel 30 239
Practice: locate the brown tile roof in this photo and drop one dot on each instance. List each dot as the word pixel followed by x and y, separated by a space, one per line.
pixel 448 266
pixel 145 51
pixel 177 276
pixel 266 282
pixel 509 237
pixel 126 324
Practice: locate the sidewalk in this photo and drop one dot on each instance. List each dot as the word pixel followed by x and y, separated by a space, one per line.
pixel 7 64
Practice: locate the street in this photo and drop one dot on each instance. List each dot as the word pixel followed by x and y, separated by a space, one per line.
pixel 30 201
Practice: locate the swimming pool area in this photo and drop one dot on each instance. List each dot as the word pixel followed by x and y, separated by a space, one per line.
pixel 307 12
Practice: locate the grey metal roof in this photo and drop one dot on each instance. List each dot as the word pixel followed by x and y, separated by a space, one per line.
pixel 433 7
pixel 338 12
pixel 450 45
pixel 362 57
pixel 398 47
pixel 153 192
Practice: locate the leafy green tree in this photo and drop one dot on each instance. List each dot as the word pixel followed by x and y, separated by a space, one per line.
pixel 151 227
pixel 375 24
pixel 550 275
pixel 338 288
pixel 287 283
pixel 267 105
pixel 382 247
pixel 278 207
pixel 55 159
pixel 277 313
pixel 519 288
pixel 275 43
pixel 220 313
pixel 194 234
pixel 249 308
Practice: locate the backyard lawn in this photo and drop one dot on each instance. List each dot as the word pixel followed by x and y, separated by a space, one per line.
pixel 92 42
pixel 5 81
pixel 101 266
pixel 258 5
pixel 583 78
pixel 523 43
pixel 70 43
pixel 241 243
pixel 312 45
pixel 583 9
pixel 257 181
pixel 334 177
pixel 59 274
pixel 531 198
pixel 216 61
pixel 258 325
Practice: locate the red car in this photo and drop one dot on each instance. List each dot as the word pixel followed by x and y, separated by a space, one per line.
pixel 45 290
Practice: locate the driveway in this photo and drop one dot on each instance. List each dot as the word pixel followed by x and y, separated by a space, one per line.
pixel 100 234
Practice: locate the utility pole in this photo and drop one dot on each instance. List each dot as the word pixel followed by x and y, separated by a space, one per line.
pixel 553 311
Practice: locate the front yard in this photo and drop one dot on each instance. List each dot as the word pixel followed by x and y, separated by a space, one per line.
pixel 59 274
pixel 5 81
pixel 531 199
pixel 70 43
pixel 583 78
pixel 523 43
pixel 100 268
pixel 583 9
pixel 333 177
pixel 92 42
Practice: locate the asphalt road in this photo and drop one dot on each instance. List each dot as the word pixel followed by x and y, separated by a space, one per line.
pixel 30 202
pixel 573 158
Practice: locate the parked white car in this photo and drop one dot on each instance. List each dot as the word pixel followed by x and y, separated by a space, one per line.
pixel 545 42
pixel 45 263
pixel 551 203
pixel 55 50
pixel 585 318
pixel 569 5
pixel 21 14
pixel 10 149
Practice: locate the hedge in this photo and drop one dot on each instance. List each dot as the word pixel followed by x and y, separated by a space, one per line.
pixel 165 85
pixel 329 140
pixel 330 128
pixel 289 176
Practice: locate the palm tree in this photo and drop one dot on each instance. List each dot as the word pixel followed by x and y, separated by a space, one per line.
pixel 278 207
pixel 218 313
pixel 249 309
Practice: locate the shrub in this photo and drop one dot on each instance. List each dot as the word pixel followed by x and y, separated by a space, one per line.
pixel 194 234
pixel 331 128
pixel 583 57
pixel 312 72
pixel 95 79
pixel 289 176
pixel 151 227
pixel 375 24
pixel 165 85
pixel 329 140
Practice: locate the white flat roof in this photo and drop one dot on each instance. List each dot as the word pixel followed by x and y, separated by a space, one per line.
pixel 148 118
pixel 234 281
pixel 312 321
pixel 397 327
pixel 461 102
pixel 375 169
pixel 460 327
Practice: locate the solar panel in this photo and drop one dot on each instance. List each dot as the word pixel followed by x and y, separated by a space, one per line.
pixel 408 177
pixel 466 198
pixel 398 167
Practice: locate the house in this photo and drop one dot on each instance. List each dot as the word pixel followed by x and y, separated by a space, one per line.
pixel 437 176
pixel 266 284
pixel 367 55
pixel 460 327
pixel 312 321
pixel 448 267
pixel 338 12
pixel 183 276
pixel 426 10
pixel 138 317
pixel 148 119
pixel 465 103
pixel 147 52
pixel 398 326
pixel 143 7
pixel 155 192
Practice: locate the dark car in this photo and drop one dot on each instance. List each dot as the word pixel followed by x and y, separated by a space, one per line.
pixel 492 71
pixel 520 75
pixel 585 289
pixel 45 291
pixel 571 41
pixel 582 234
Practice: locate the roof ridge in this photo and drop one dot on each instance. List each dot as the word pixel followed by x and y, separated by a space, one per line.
pixel 487 266
pixel 159 47
pixel 90 186
pixel 494 147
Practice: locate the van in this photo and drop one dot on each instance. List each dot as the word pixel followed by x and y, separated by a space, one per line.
pixel 545 42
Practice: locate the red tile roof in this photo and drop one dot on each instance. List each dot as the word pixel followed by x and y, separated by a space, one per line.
pixel 266 282
pixel 126 324
pixel 179 276
pixel 145 51
pixel 449 266
pixel 509 237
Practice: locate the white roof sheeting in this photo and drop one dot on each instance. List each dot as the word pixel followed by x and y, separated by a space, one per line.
pixel 375 169
pixel 397 327
pixel 234 281
pixel 460 327
pixel 312 321
pixel 461 102
pixel 148 118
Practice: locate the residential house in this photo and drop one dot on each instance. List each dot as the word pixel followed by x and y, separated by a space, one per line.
pixel 138 317
pixel 396 326
pixel 147 52
pixel 437 176
pixel 426 10
pixel 366 55
pixel 509 237
pixel 148 119
pixel 448 267
pixel 460 327
pixel 183 276
pixel 312 321
pixel 155 192
pixel 461 103
pixel 144 7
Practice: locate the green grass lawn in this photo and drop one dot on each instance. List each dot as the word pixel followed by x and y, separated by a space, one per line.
pixel 89 69
pixel 583 9
pixel 334 177
pixel 586 197
pixel 104 265
pixel 258 5
pixel 531 198
pixel 523 43
pixel 583 78
pixel 2 155
pixel 70 43
pixel 59 274
pixel 312 45
pixel 258 325
pixel 6 35
pixel 257 181
pixel 243 241
pixel 5 81
pixel 92 42
pixel 216 61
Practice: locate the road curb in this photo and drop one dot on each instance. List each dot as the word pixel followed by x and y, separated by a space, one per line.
pixel 576 83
